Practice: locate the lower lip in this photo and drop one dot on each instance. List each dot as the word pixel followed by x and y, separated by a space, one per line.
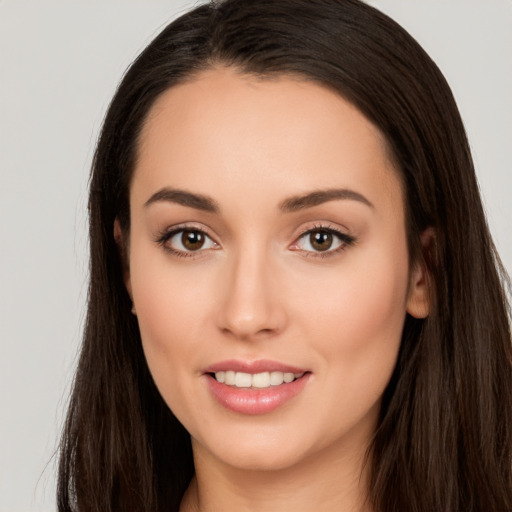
pixel 255 401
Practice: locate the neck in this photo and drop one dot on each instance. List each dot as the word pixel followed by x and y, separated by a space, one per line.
pixel 336 480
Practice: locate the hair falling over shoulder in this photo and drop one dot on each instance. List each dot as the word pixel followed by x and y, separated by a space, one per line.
pixel 444 441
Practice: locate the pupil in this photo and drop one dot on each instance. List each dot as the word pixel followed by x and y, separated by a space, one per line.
pixel 192 240
pixel 321 240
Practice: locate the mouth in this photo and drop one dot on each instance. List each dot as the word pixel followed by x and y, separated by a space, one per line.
pixel 255 387
pixel 260 380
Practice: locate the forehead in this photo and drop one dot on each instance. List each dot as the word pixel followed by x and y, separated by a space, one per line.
pixel 224 129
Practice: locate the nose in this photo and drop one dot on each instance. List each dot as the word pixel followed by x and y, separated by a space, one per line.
pixel 251 304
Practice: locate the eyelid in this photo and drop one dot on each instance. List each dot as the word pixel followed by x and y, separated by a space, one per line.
pixel 345 239
pixel 163 237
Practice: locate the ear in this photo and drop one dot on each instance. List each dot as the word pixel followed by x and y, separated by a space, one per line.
pixel 420 286
pixel 123 256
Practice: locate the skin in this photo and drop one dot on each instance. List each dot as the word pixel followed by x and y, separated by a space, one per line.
pixel 258 289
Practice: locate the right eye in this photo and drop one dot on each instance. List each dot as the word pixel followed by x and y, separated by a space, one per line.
pixel 183 242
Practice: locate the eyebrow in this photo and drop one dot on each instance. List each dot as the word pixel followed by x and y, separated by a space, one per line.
pixel 318 197
pixel 197 201
pixel 292 204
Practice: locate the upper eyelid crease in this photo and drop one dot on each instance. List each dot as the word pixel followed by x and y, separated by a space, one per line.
pixel 168 233
pixel 334 231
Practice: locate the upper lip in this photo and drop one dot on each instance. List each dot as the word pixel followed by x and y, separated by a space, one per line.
pixel 259 366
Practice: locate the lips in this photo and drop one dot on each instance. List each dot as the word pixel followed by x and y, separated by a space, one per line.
pixel 252 367
pixel 255 387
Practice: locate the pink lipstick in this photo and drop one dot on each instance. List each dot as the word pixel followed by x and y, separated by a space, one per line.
pixel 254 387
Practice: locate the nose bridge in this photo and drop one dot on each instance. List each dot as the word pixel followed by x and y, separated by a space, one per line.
pixel 250 305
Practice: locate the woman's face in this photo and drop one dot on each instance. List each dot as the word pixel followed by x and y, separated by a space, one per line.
pixel 267 243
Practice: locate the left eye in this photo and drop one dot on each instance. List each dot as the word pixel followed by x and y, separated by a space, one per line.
pixel 322 240
pixel 190 240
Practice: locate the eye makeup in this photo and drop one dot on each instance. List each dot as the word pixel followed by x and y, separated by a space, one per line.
pixel 186 241
pixel 322 241
pixel 319 241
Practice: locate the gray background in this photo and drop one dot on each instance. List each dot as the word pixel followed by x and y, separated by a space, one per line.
pixel 59 64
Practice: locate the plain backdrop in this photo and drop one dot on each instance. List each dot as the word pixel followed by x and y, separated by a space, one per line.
pixel 60 62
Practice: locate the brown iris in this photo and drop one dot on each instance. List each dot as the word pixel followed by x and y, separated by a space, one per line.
pixel 192 240
pixel 321 240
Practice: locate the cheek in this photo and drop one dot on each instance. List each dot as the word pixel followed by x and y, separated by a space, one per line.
pixel 373 305
pixel 170 312
pixel 169 326
pixel 355 326
pixel 356 318
pixel 167 294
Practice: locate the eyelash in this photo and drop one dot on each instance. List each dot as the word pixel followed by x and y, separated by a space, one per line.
pixel 344 239
pixel 164 237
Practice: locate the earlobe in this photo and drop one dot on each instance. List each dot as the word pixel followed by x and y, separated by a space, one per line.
pixel 420 293
pixel 123 256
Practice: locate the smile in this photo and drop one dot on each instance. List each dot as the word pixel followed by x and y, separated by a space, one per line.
pixel 254 387
pixel 257 380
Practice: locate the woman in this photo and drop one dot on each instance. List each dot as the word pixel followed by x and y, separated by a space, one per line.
pixel 295 301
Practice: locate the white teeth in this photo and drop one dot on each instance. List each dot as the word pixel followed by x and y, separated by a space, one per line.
pixel 229 378
pixel 276 378
pixel 243 380
pixel 257 380
pixel 288 377
pixel 261 380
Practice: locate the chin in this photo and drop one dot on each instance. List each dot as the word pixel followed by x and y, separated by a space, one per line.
pixel 257 459
pixel 259 448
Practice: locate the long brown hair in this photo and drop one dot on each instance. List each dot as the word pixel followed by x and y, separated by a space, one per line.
pixel 444 441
